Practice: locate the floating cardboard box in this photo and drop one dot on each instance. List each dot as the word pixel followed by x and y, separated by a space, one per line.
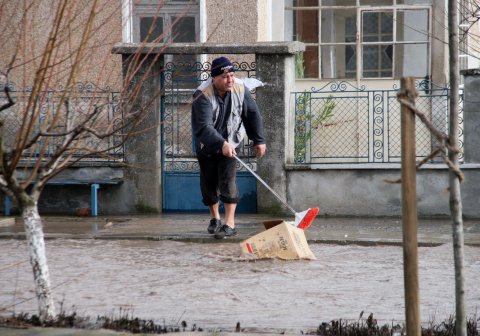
pixel 281 240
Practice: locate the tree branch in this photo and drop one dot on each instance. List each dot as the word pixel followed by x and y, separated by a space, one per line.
pixel 10 102
pixel 441 137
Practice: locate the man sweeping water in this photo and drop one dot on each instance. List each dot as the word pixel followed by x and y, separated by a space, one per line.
pixel 223 111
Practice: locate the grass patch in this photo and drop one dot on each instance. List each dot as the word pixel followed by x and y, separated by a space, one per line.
pixel 125 322
pixel 370 327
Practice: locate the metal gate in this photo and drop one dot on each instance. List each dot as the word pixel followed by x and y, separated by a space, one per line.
pixel 180 170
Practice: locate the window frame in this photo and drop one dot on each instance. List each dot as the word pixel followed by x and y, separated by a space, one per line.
pixel 134 10
pixel 166 12
pixel 360 10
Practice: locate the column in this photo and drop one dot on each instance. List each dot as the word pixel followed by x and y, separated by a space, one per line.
pixel 142 151
pixel 277 71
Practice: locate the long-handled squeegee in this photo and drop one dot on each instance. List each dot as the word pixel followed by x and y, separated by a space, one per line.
pixel 302 219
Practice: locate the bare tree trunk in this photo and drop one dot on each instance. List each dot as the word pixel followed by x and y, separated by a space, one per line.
pixel 38 260
pixel 409 211
pixel 455 195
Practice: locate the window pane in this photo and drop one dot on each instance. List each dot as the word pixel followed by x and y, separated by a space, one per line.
pixel 370 26
pixel 339 61
pixel 146 2
pixel 151 29
pixel 411 60
pixel 386 26
pixel 301 25
pixel 376 2
pixel 414 2
pixel 412 25
pixel 377 26
pixel 183 30
pixel 339 2
pixel 338 25
pixel 377 61
pixel 307 63
pixel 302 3
pixel 305 26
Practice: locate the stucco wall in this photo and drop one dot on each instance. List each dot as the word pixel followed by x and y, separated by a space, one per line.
pixel 28 38
pixel 364 192
pixel 232 22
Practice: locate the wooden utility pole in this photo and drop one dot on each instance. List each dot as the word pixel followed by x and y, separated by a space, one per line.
pixel 409 210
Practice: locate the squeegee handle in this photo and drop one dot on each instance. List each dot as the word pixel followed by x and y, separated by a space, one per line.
pixel 266 185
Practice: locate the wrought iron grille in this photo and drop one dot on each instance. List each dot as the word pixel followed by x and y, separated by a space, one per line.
pixel 340 123
pixel 84 97
pixel 179 81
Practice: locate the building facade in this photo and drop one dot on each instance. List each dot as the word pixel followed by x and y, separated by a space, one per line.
pixel 342 101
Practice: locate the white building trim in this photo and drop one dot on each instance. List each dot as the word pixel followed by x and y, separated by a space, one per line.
pixel 127 21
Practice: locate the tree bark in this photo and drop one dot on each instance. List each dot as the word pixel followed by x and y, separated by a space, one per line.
pixel 38 260
pixel 455 194
pixel 409 210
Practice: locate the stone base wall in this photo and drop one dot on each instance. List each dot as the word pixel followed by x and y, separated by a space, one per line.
pixel 69 193
pixel 364 192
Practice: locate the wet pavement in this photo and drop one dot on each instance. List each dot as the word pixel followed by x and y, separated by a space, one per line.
pixel 192 228
pixel 168 268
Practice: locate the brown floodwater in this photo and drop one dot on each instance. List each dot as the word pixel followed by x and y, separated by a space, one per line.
pixel 211 286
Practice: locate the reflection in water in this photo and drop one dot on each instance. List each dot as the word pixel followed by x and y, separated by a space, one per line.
pixel 94 229
pixel 212 286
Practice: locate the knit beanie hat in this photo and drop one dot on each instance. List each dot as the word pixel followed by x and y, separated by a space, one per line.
pixel 221 65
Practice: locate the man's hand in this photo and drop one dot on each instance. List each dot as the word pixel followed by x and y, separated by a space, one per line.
pixel 228 150
pixel 260 150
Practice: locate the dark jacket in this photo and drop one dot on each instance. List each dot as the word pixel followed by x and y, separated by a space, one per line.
pixel 208 138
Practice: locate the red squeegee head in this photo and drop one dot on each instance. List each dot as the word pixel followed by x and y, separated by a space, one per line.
pixel 308 218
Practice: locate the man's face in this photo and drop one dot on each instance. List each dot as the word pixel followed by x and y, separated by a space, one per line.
pixel 224 82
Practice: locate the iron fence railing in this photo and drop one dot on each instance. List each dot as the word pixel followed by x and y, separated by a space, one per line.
pixel 340 123
pixel 82 99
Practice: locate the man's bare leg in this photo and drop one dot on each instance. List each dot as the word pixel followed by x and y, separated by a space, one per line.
pixel 214 212
pixel 215 222
pixel 230 214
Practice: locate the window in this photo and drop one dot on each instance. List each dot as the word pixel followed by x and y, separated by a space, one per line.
pixel 360 38
pixel 469 13
pixel 169 21
pixel 165 21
